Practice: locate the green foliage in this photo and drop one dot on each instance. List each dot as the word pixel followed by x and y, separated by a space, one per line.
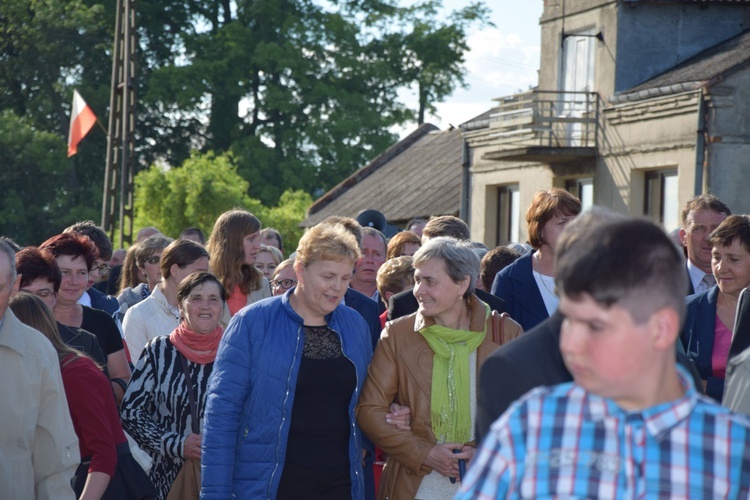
pixel 292 95
pixel 35 203
pixel 286 217
pixel 201 189
pixel 194 194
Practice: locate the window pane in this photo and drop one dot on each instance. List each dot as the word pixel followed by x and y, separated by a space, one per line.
pixel 670 207
pixel 515 207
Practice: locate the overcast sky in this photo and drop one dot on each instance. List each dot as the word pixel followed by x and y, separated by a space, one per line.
pixel 502 61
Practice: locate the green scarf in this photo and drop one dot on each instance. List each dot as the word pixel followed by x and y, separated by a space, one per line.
pixel 450 405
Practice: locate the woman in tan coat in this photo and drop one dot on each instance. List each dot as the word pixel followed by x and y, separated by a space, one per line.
pixel 429 362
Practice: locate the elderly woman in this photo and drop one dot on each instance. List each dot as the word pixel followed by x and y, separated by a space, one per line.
pixel 429 361
pixel 147 262
pixel 75 256
pixel 283 277
pixel 280 410
pixel 233 246
pixel 267 259
pixel 159 314
pixel 528 285
pixel 709 322
pixel 105 455
pixel 156 407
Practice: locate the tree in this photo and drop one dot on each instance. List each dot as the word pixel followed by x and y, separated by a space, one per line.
pixel 194 194
pixel 301 92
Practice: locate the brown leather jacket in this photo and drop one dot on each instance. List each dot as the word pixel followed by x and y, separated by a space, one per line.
pixel 401 371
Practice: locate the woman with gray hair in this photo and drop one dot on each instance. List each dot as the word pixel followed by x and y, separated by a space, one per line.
pixel 429 362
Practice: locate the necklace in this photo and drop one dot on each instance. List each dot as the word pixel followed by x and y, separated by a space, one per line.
pixel 543 279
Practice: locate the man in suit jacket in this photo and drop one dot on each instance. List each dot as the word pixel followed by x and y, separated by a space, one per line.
pixel 700 217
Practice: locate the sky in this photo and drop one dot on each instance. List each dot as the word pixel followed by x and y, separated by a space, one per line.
pixel 502 60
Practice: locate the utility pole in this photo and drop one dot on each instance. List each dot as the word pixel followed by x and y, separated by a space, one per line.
pixel 117 202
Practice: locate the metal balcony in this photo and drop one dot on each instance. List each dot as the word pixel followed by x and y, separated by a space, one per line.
pixel 544 126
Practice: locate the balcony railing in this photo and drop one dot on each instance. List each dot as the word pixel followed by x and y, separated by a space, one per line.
pixel 545 119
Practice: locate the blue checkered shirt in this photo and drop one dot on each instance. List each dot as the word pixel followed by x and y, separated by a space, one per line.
pixel 564 442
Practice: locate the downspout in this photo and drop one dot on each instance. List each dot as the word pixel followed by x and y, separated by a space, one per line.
pixel 700 145
pixel 464 212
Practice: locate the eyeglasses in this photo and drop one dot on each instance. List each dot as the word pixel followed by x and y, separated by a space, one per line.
pixel 101 268
pixel 42 293
pixel 153 260
pixel 285 284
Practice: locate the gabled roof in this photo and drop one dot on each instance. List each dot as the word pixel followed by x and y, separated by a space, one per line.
pixel 417 177
pixel 702 69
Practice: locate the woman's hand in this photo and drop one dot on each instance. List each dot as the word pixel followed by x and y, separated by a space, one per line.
pixel 442 459
pixel 191 448
pixel 400 416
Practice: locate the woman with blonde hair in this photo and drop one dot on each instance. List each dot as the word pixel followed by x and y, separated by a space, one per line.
pixel 267 259
pixel 233 246
pixel 280 408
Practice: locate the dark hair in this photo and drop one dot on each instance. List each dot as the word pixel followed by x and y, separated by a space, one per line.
pixel 149 247
pixel 72 245
pixel 276 234
pixel 704 202
pixel 349 224
pixel 732 228
pixel 544 206
pixel 180 252
pixel 446 225
pixel 398 243
pixel 493 262
pixel 97 235
pixel 194 231
pixel 624 261
pixel 33 264
pixel 196 279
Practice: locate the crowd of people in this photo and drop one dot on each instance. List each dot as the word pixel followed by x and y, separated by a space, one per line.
pixel 590 362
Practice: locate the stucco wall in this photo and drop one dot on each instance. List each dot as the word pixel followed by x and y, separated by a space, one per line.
pixel 728 157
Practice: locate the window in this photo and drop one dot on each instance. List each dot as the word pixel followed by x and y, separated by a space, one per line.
pixel 583 189
pixel 508 215
pixel 661 203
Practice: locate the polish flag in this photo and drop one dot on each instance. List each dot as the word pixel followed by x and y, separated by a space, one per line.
pixel 81 121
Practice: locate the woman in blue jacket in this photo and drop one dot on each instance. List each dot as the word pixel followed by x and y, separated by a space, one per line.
pixel 279 419
pixel 710 316
pixel 528 285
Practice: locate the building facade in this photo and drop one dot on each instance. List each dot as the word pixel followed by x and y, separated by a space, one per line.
pixel 640 106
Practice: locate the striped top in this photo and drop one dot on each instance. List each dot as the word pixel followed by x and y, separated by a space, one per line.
pixel 156 408
pixel 564 442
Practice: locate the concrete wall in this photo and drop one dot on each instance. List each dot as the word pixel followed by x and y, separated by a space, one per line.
pixel 654 37
pixel 728 146
pixel 643 136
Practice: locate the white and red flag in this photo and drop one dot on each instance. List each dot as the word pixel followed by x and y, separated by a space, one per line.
pixel 82 118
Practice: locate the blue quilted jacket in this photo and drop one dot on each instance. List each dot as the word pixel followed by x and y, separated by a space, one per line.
pixel 250 397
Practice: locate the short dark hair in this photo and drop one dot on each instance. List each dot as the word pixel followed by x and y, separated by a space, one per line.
pixel 72 245
pixel 97 235
pixel 33 263
pixel 544 206
pixel 495 261
pixel 196 279
pixel 732 228
pixel 196 231
pixel 446 225
pixel 414 222
pixel 180 252
pixel 704 202
pixel 629 262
